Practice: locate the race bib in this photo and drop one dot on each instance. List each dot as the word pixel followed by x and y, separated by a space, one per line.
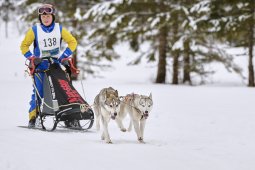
pixel 49 42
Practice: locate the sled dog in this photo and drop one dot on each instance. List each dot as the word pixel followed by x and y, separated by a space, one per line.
pixel 106 107
pixel 138 107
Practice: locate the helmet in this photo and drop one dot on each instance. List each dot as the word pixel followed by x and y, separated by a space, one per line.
pixel 46 9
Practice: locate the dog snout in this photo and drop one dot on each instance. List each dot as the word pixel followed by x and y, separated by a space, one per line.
pixel 113 115
pixel 146 114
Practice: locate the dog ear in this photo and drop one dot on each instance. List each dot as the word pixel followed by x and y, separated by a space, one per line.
pixel 150 96
pixel 116 91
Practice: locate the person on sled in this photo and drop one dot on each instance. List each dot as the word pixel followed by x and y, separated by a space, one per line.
pixel 46 38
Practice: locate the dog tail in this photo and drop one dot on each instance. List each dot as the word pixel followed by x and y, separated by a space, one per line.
pixel 130 126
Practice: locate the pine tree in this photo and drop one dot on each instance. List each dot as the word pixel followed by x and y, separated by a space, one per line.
pixel 6 8
pixel 178 33
pixel 193 42
pixel 235 22
pixel 135 22
pixel 177 30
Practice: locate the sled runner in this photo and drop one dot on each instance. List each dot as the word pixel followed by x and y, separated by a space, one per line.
pixel 61 101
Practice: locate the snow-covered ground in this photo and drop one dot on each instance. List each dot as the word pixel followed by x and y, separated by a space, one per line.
pixel 190 128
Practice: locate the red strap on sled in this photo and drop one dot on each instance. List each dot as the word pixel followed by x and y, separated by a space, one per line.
pixel 74 70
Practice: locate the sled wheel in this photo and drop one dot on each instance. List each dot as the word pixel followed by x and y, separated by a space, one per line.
pixel 86 124
pixel 91 123
pixel 49 123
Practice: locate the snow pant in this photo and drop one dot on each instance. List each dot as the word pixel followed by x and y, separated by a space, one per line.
pixel 38 82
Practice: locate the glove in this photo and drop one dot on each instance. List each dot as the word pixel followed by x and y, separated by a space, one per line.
pixel 31 58
pixel 65 61
pixel 68 63
pixel 34 60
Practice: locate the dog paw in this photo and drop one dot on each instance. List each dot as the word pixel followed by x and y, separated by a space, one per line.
pixel 123 130
pixel 109 142
pixel 141 140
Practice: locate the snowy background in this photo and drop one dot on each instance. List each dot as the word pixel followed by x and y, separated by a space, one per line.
pixel 190 128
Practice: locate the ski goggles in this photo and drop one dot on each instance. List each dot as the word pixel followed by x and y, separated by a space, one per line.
pixel 46 10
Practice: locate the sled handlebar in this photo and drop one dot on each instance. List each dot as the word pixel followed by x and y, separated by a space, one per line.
pixel 73 70
pixel 32 65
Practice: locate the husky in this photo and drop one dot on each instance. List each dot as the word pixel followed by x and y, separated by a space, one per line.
pixel 106 107
pixel 138 107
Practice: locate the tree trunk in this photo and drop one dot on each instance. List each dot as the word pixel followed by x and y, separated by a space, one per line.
pixel 6 29
pixel 6 16
pixel 161 74
pixel 186 69
pixel 251 82
pixel 175 53
pixel 176 68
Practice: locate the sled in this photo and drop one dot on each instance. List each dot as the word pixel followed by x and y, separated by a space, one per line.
pixel 61 102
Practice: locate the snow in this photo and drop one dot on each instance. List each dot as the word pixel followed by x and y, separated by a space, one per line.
pixel 117 21
pixel 102 9
pixel 203 127
pixel 242 18
pixel 216 26
pixel 179 44
pixel 154 21
pixel 77 14
pixel 202 6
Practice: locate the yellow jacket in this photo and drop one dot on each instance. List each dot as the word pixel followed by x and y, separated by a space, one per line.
pixel 30 38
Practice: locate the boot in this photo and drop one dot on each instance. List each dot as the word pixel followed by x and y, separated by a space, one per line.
pixel 31 123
